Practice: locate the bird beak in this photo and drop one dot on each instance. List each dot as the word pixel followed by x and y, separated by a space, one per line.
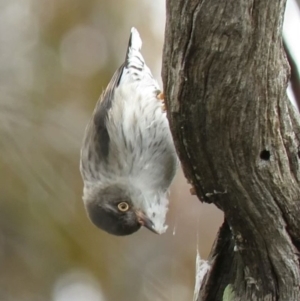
pixel 145 221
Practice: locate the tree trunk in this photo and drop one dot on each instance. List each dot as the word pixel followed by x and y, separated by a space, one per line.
pixel 237 135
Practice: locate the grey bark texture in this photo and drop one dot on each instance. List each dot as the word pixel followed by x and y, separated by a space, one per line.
pixel 237 135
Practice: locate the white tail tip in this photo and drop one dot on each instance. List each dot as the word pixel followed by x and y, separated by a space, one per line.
pixel 135 41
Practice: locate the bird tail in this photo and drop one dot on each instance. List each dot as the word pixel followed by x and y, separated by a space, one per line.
pixel 135 68
pixel 134 58
pixel 135 41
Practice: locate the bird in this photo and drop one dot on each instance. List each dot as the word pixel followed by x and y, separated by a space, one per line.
pixel 128 158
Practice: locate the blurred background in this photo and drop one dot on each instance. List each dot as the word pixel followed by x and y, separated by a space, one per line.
pixel 56 56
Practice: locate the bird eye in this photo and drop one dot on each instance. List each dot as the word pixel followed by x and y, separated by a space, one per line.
pixel 123 206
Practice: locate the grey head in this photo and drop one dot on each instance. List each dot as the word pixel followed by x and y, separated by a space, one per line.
pixel 111 209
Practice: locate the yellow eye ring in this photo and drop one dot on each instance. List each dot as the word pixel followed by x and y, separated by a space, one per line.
pixel 123 206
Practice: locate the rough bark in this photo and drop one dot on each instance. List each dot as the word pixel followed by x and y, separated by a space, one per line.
pixel 237 135
pixel 294 78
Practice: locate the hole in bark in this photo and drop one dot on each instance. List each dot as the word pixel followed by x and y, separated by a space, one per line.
pixel 298 154
pixel 265 155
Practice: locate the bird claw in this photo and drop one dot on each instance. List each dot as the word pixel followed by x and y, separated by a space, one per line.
pixel 161 97
pixel 193 190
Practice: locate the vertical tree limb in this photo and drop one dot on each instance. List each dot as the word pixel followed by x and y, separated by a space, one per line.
pixel 237 136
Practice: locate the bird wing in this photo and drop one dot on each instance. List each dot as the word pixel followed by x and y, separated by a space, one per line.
pixel 96 141
pixel 133 70
pixel 101 111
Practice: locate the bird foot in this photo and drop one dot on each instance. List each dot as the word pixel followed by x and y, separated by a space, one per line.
pixel 193 190
pixel 161 97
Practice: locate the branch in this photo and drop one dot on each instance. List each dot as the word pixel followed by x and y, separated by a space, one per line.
pixel 237 136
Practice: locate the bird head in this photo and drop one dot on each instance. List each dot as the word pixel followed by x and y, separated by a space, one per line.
pixel 113 210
